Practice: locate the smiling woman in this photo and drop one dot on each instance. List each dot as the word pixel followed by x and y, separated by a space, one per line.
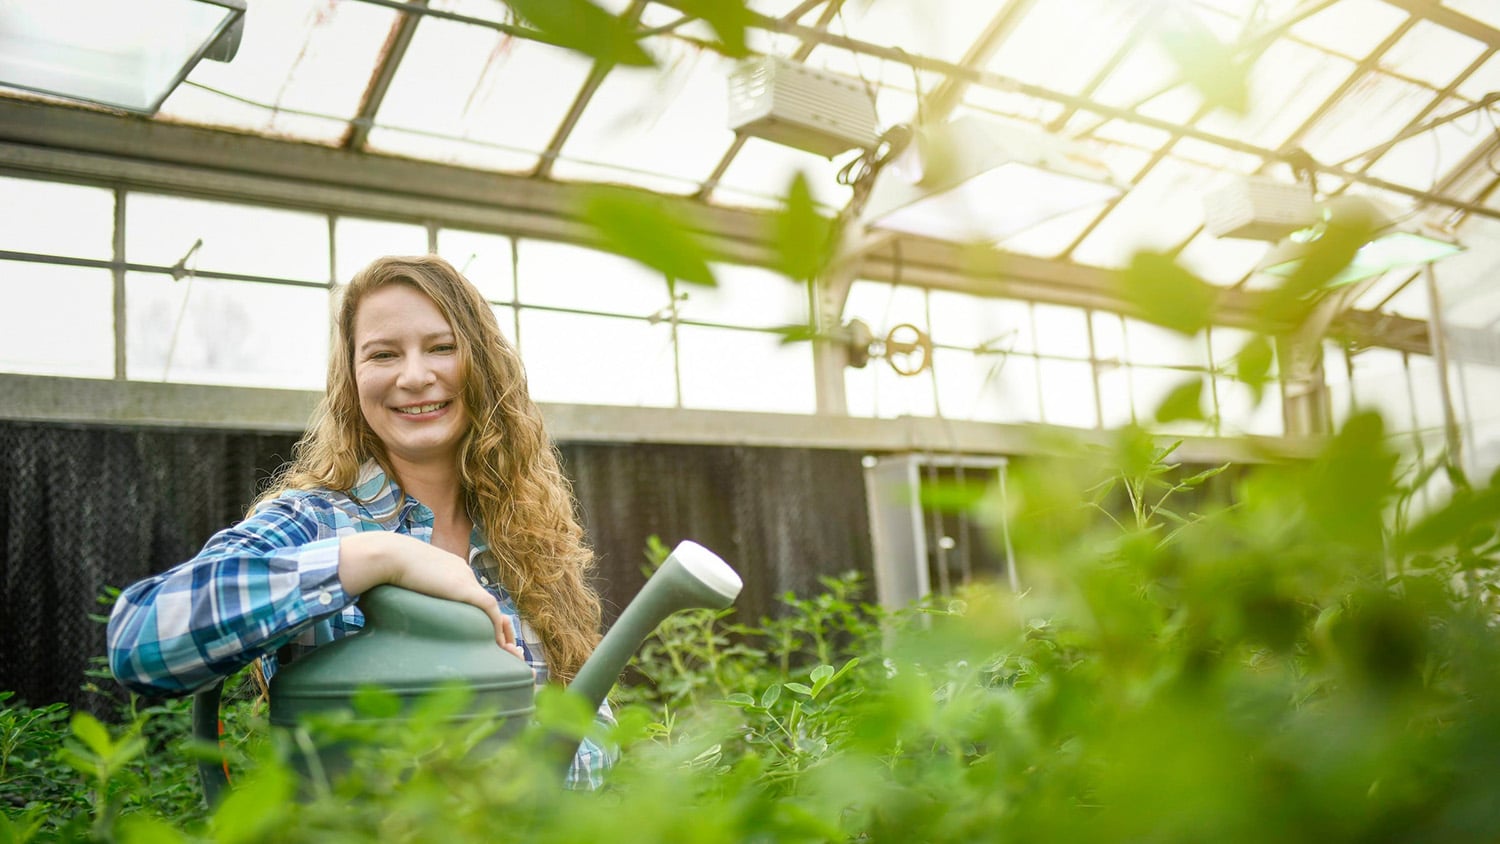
pixel 426 466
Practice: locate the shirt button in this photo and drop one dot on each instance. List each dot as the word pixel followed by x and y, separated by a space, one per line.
pixel 324 598
pixel 484 580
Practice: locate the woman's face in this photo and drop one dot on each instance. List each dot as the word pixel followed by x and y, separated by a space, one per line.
pixel 407 373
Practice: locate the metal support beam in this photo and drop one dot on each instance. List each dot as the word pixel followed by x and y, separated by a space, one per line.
pixel 597 72
pixel 380 81
pixel 44 399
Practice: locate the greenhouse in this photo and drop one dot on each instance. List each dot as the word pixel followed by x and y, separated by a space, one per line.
pixel 1075 419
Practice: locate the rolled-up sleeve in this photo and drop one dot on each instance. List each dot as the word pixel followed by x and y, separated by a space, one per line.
pixel 253 587
pixel 593 759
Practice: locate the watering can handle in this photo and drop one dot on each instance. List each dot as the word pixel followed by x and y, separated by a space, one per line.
pixel 212 774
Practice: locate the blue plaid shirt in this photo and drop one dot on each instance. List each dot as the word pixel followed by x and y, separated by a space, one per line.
pixel 272 580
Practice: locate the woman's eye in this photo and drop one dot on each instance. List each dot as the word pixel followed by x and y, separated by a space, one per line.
pixel 444 348
pixel 382 355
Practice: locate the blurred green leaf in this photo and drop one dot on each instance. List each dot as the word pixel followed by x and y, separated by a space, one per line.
pixel 798 333
pixel 141 829
pixel 800 688
pixel 1207 64
pixel 1184 402
pixel 1164 293
pixel 1253 364
pixel 644 228
pixel 256 805
pixel 801 237
pixel 729 19
pixel 93 734
pixel 582 26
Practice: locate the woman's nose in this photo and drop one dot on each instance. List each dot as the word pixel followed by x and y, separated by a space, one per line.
pixel 415 373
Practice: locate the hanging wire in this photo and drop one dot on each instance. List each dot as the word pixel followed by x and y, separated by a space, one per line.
pixel 181 270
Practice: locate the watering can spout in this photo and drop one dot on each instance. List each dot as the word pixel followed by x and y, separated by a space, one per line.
pixel 692 577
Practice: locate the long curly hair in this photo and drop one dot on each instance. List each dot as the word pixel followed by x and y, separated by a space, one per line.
pixel 512 480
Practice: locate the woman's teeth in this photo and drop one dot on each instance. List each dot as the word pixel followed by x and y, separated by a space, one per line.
pixel 422 408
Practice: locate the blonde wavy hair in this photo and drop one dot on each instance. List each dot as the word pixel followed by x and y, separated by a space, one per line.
pixel 512 480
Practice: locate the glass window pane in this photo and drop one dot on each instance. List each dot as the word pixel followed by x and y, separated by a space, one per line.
pixel 484 259
pixel 878 391
pixel 1109 336
pixel 583 359
pixel 250 239
pixel 1336 377
pixel 1061 331
pixel 884 306
pixel 971 322
pixel 56 320
pixel 357 242
pixel 204 331
pixel 749 296
pixel 561 275
pixel 1379 383
pixel 1239 413
pixel 52 218
pixel 725 369
pixel 987 387
pixel 1427 393
pixel 1114 396
pixel 1156 346
pixel 1069 395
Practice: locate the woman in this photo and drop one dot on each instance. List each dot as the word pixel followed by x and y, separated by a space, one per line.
pixel 426 466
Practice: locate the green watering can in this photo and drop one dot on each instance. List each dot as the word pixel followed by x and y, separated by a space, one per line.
pixel 412 644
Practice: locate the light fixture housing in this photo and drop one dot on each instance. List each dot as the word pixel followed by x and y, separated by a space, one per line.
pixel 1259 208
pixel 977 180
pixel 1391 245
pixel 797 106
pixel 125 55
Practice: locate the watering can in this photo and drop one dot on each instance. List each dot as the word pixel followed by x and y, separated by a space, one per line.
pixel 412 644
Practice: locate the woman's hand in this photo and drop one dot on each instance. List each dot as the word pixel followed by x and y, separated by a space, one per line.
pixel 369 559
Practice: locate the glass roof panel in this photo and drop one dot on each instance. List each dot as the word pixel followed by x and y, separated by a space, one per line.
pixel 988 102
pixel 672 122
pixel 1050 238
pixel 1221 261
pixel 759 176
pixel 1158 213
pixel 1484 11
pixel 1431 53
pixel 1213 155
pixel 296 56
pixel 895 84
pixel 505 96
pixel 1399 282
pixel 1483 80
pixel 1352 28
pixel 940 29
pixel 1143 73
pixel 1420 161
pixel 1062 46
pixel 1375 107
pixel 1467 280
pixel 1287 84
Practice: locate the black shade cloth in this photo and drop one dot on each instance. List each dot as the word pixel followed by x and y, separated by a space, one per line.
pixel 88 507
